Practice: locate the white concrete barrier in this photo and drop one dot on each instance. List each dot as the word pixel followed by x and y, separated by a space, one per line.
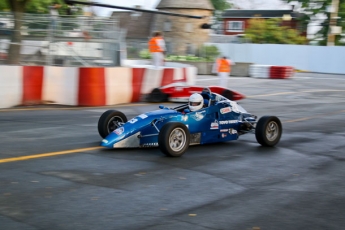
pixel 118 83
pixel 259 71
pixel 60 85
pixel 11 86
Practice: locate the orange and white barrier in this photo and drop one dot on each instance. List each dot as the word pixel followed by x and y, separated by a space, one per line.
pixel 281 72
pixel 270 71
pixel 83 86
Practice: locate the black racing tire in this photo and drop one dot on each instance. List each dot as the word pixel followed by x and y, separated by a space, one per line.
pixel 268 131
pixel 228 94
pixel 173 139
pixel 106 123
pixel 157 95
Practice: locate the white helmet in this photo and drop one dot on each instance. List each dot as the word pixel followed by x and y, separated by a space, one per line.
pixel 196 102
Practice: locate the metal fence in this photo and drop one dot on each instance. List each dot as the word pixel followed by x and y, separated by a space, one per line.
pixel 64 40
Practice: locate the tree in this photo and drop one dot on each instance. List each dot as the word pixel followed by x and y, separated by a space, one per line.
pixel 18 8
pixel 4 6
pixel 271 31
pixel 316 8
pixel 221 5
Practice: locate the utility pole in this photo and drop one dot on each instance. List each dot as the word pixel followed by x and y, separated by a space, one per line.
pixel 333 23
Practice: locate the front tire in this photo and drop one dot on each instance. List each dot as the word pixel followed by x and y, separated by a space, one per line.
pixel 268 131
pixel 157 96
pixel 173 139
pixel 109 121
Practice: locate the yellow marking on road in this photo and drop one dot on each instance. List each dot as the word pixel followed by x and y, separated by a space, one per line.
pixel 271 94
pixel 296 92
pixel 23 158
pixel 323 90
pixel 313 117
pixel 300 119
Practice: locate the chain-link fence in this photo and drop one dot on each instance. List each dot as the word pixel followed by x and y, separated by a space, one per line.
pixel 64 40
pixel 100 41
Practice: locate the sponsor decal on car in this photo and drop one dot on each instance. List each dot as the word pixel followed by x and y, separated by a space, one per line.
pixel 142 116
pixel 149 145
pixel 225 110
pixel 199 115
pixel 228 122
pixel 214 125
pixel 105 141
pixel 234 107
pixel 119 131
pixel 232 131
pixel 224 130
pixel 133 120
pixel 224 135
pixel 184 118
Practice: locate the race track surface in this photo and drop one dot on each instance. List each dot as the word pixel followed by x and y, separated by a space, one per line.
pixel 54 175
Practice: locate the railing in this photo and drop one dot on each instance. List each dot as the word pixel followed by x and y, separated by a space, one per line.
pixel 49 41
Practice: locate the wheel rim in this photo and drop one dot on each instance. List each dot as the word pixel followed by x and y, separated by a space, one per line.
pixel 177 139
pixel 272 131
pixel 113 123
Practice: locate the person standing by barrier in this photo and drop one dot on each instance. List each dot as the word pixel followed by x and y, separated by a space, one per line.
pixel 157 49
pixel 54 14
pixel 222 67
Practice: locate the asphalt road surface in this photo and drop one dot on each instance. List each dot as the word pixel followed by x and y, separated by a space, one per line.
pixel 54 175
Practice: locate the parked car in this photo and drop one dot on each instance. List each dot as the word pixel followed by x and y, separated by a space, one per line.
pixel 180 92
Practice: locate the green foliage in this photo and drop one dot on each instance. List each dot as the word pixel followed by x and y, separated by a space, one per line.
pixel 37 6
pixel 4 6
pixel 312 7
pixel 190 58
pixel 209 52
pixel 145 54
pixel 221 5
pixel 270 31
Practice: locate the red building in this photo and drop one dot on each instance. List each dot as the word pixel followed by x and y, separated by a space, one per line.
pixel 236 21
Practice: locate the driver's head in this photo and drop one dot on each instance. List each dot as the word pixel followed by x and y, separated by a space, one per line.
pixel 196 102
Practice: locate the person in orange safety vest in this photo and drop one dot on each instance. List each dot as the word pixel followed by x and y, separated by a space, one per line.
pixel 222 67
pixel 157 49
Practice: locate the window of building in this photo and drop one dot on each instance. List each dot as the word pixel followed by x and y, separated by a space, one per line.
pixel 167 26
pixel 189 49
pixel 189 27
pixel 235 26
pixel 169 47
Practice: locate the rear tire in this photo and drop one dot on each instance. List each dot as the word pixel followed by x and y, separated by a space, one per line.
pixel 108 122
pixel 173 139
pixel 268 131
pixel 228 94
pixel 157 95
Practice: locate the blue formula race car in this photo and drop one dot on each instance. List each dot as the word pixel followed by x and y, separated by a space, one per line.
pixel 174 129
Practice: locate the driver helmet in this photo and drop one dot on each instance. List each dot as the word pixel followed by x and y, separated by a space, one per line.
pixel 196 102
